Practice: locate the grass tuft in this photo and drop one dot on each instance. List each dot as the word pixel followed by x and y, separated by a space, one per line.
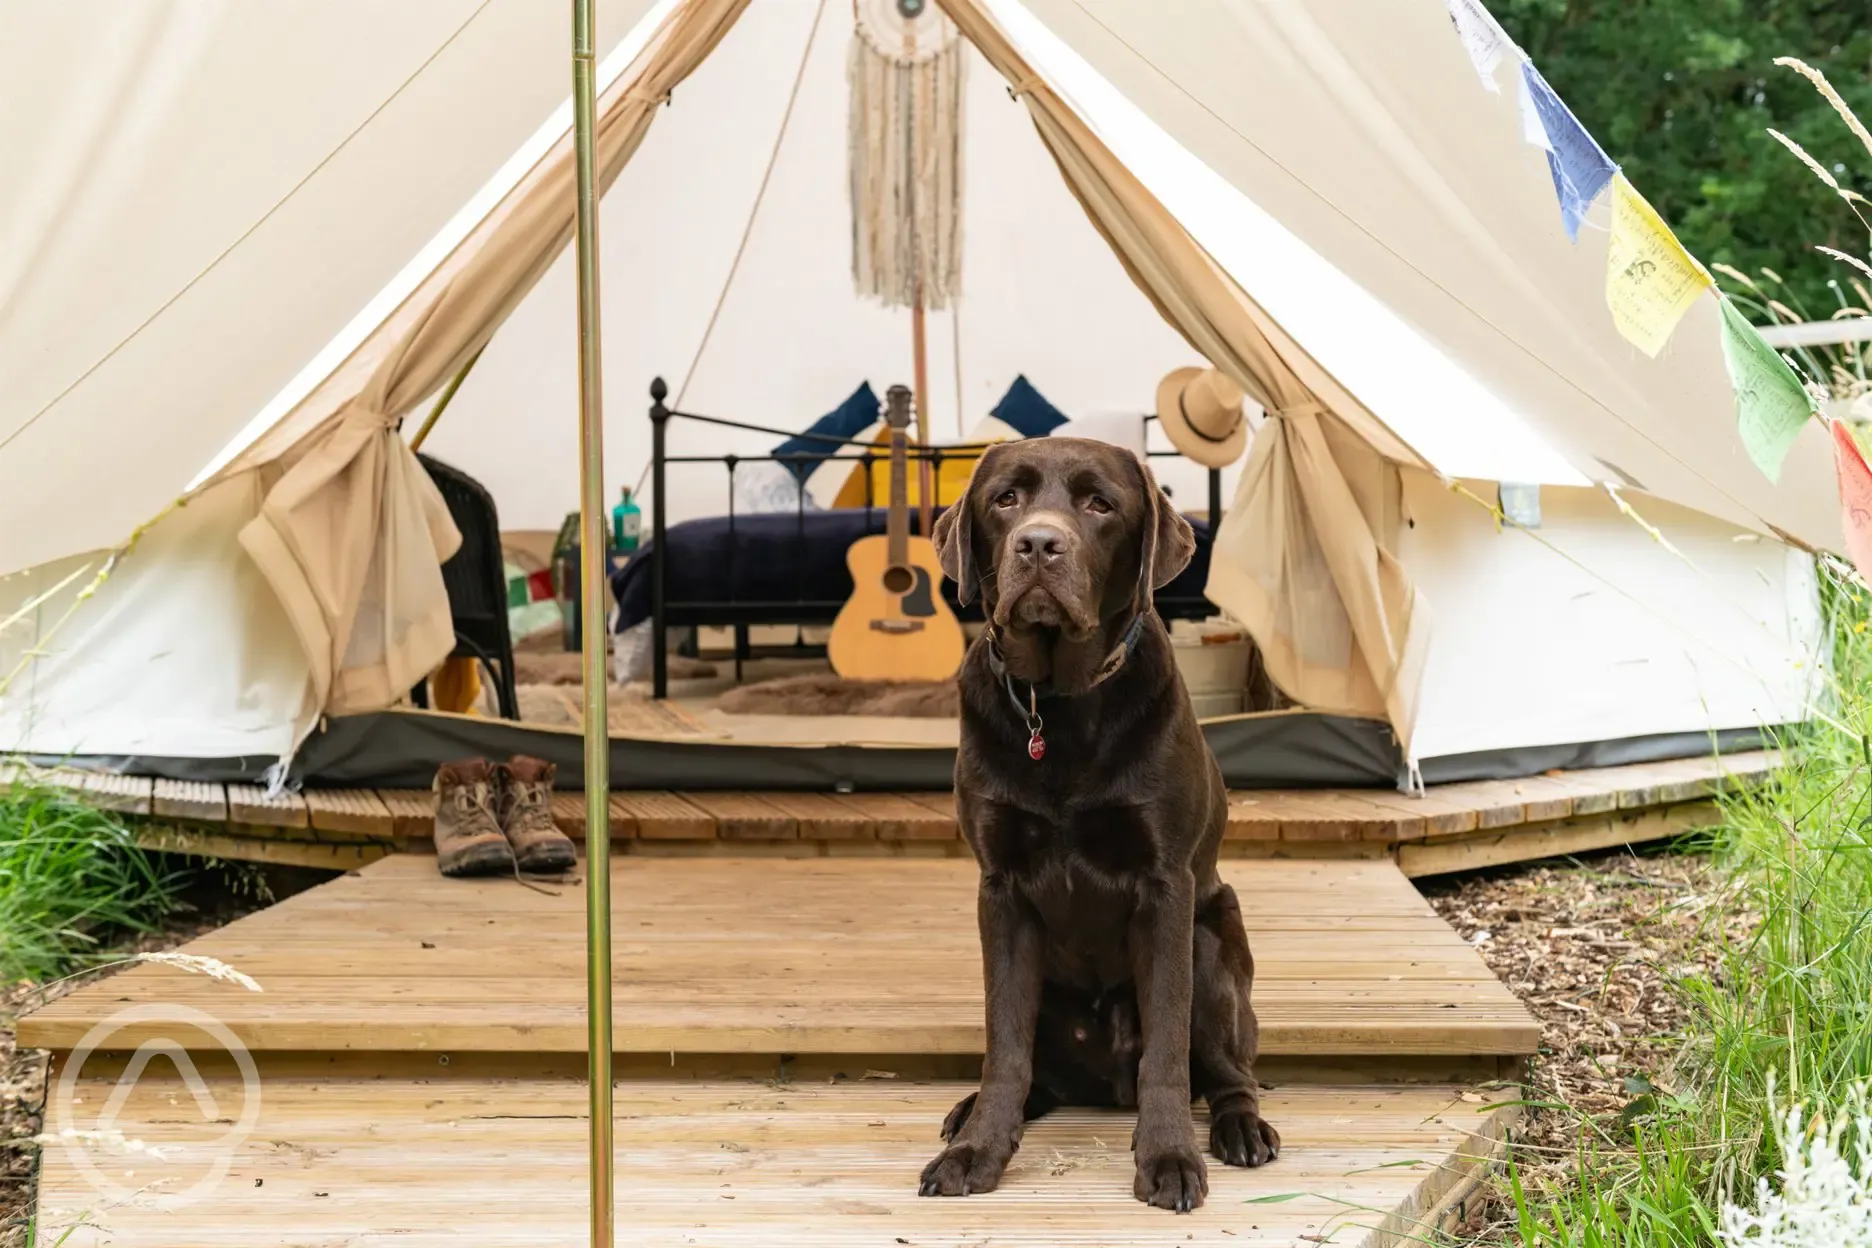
pixel 71 876
pixel 1784 1020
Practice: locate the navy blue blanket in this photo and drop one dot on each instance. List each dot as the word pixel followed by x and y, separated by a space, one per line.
pixel 787 559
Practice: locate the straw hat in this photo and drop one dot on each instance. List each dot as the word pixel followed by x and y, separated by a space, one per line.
pixel 1201 410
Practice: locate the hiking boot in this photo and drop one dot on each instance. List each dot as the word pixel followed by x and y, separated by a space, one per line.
pixel 526 816
pixel 468 836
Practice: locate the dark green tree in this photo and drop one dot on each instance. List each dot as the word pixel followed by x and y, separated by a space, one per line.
pixel 1682 93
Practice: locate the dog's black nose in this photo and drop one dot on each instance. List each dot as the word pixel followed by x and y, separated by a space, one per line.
pixel 1039 543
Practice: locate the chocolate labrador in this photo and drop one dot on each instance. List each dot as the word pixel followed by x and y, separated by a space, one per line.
pixel 1116 964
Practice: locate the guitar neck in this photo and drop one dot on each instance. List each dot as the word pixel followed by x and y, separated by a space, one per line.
pixel 897 522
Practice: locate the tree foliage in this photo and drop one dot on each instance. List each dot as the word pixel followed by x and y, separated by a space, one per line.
pixel 1682 93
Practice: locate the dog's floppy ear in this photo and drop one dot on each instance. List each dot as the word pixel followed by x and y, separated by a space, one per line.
pixel 1169 542
pixel 954 536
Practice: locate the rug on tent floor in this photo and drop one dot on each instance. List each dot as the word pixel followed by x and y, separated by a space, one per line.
pixel 827 694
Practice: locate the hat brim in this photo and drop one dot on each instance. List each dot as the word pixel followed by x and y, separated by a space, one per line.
pixel 1190 442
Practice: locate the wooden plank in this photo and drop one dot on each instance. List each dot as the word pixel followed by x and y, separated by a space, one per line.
pixel 663 816
pixel 1737 771
pixel 176 839
pixel 1577 835
pixel 568 812
pixel 1253 815
pixel 745 817
pixel 353 812
pixel 1677 780
pixel 774 955
pixel 1441 813
pixel 821 818
pixel 1496 803
pixel 1371 821
pixel 412 813
pixel 251 804
pixel 338 1158
pixel 193 800
pixel 943 803
pixel 1543 800
pixel 125 795
pixel 1319 815
pixel 897 818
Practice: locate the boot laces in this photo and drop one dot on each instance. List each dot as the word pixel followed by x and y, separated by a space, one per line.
pixel 532 802
pixel 470 798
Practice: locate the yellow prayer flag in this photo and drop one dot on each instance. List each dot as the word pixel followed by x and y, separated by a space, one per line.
pixel 1651 281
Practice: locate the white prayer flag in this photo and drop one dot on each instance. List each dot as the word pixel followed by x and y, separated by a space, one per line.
pixel 1484 39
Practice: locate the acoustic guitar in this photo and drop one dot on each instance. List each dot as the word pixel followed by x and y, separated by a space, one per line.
pixel 896 625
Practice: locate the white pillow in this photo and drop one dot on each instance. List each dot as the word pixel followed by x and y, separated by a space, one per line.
pixel 1119 429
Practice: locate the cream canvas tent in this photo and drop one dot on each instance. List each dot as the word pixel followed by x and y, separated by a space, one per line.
pixel 227 285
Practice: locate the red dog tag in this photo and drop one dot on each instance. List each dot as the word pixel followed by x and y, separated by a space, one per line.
pixel 1036 746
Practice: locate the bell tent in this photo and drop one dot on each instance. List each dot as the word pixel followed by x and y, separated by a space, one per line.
pixel 1477 531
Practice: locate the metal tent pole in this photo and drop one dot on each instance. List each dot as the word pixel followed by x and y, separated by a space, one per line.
pixel 594 571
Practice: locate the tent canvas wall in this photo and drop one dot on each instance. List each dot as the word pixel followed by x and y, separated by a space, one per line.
pixel 1585 631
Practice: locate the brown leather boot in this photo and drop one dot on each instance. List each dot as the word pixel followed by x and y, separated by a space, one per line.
pixel 468 836
pixel 526 816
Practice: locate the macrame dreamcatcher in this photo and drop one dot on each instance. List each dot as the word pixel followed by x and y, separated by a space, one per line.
pixel 906 153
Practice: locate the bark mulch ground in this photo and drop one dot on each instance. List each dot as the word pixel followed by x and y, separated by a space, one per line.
pixel 1592 946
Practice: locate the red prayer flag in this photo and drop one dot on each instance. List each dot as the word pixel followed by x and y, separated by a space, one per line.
pixel 1855 487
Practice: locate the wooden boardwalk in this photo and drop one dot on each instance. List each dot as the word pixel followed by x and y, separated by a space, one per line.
pixel 1451 827
pixel 790 1033
pixel 717 955
pixel 447 1160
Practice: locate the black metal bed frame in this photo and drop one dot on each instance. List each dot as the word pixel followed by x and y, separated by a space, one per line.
pixel 740 615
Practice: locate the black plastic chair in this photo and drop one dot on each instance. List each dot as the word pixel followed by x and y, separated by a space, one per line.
pixel 476 577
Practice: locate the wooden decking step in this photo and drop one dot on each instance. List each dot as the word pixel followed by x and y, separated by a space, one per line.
pixel 444 1160
pixel 725 955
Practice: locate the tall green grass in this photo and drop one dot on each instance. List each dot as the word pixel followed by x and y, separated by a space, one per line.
pixel 70 877
pixel 1786 1017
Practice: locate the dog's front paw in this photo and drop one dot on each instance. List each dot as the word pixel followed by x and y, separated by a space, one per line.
pixel 958 1117
pixel 964 1170
pixel 1171 1178
pixel 1241 1137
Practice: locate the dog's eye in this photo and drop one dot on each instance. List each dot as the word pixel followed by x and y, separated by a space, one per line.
pixel 1007 498
pixel 1097 506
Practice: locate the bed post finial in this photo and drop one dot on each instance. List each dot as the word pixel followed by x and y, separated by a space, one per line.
pixel 659 524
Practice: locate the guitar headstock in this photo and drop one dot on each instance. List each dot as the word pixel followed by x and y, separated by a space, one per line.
pixel 897 407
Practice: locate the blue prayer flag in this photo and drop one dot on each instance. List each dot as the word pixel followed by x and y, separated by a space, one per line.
pixel 1579 165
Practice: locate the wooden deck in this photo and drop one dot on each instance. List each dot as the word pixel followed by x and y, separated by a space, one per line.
pixel 750 956
pixel 790 1033
pixel 446 1161
pixel 1451 827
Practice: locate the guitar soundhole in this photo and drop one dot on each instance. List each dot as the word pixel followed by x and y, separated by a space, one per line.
pixel 898 580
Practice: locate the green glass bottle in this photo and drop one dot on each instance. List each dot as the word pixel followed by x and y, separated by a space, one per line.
pixel 626 524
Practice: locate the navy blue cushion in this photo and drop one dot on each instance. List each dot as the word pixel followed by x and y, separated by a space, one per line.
pixel 847 420
pixel 1026 411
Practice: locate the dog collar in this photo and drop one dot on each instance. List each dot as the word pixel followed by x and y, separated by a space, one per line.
pixel 1030 711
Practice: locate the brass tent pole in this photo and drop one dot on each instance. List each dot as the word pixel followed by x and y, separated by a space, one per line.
pixel 595 592
pixel 443 400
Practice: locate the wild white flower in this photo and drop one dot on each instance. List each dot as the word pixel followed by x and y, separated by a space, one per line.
pixel 1825 1196
pixel 196 964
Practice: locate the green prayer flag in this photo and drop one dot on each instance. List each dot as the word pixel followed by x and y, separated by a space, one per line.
pixel 1771 403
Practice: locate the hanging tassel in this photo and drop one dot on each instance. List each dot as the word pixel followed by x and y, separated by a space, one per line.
pixel 905 155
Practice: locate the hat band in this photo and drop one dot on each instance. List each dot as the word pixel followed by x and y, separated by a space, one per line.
pixel 1190 422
